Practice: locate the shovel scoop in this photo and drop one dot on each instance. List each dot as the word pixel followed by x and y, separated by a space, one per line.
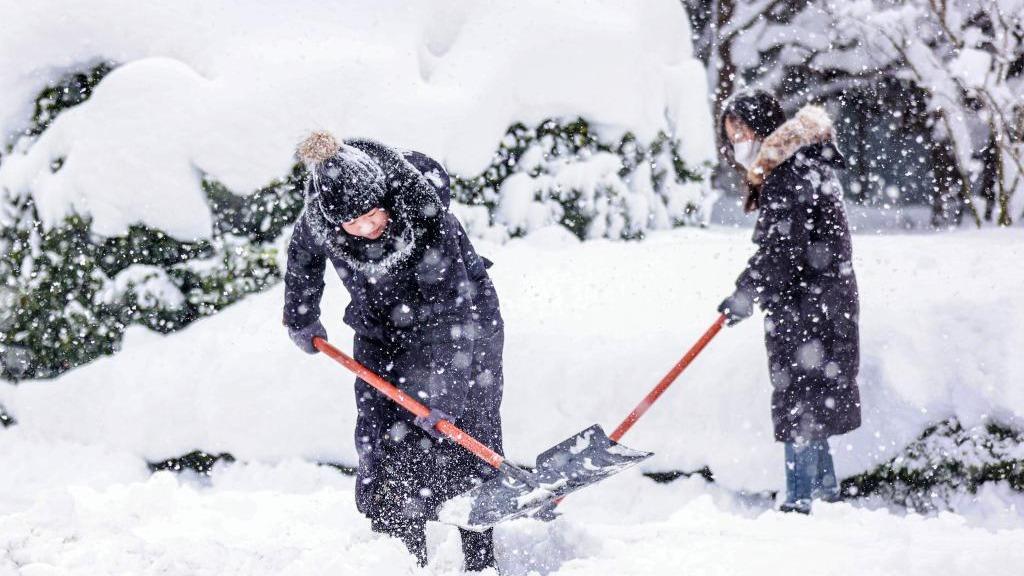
pixel 584 459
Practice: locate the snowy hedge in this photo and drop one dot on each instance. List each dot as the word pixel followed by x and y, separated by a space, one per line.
pixel 229 99
pixel 68 294
pixel 946 462
pixel 564 173
pixel 147 174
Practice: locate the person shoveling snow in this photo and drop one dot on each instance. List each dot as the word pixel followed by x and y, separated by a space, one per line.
pixel 426 317
pixel 802 276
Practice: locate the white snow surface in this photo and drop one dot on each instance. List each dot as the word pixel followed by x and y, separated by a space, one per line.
pixel 227 88
pixel 590 328
pixel 75 510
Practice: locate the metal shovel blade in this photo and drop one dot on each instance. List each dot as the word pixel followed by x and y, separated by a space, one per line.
pixel 584 459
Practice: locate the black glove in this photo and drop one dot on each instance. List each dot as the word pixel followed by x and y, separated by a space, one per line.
pixel 303 337
pixel 428 423
pixel 738 306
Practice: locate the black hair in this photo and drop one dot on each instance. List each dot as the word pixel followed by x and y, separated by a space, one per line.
pixel 758 109
pixel 762 113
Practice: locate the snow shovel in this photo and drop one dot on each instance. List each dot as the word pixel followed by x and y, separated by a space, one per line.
pixel 548 513
pixel 584 459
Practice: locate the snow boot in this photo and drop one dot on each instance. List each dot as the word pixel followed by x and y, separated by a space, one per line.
pixel 798 507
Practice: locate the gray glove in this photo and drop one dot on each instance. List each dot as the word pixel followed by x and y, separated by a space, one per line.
pixel 303 337
pixel 737 307
pixel 428 423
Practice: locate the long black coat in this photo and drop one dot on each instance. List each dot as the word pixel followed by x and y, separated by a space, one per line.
pixel 426 318
pixel 802 276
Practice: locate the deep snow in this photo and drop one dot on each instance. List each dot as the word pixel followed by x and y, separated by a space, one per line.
pixel 226 89
pixel 68 509
pixel 591 327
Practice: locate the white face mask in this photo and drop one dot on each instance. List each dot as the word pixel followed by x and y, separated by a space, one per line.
pixel 745 152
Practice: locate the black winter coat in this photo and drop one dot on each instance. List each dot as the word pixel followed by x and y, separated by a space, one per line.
pixel 426 318
pixel 802 276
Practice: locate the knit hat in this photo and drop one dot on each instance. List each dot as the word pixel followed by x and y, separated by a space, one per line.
pixel 346 182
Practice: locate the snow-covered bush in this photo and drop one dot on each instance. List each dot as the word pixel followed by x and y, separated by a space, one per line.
pixel 564 173
pixel 947 460
pixel 68 294
pixel 967 58
pixel 231 98
pixel 260 216
pixel 119 181
pixel 196 461
pixel 72 90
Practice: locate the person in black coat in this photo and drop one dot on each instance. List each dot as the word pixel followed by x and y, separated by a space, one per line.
pixel 802 277
pixel 425 316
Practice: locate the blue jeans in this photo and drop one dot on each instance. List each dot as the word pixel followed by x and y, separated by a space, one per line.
pixel 809 472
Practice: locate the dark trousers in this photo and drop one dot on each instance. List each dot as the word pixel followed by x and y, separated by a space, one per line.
pixel 477 547
pixel 404 474
pixel 810 472
pixel 413 477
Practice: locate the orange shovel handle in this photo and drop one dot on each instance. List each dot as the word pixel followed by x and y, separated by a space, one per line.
pixel 411 404
pixel 667 381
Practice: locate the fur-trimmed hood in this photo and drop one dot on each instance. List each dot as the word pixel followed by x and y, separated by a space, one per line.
pixel 811 125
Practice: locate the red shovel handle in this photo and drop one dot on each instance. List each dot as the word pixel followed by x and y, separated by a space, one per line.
pixel 667 381
pixel 411 404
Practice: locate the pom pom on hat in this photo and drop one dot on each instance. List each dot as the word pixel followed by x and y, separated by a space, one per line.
pixel 317 148
pixel 345 181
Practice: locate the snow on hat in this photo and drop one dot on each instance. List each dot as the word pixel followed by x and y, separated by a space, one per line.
pixel 346 182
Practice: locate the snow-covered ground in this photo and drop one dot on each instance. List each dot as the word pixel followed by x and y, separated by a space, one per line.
pixel 68 509
pixel 902 219
pixel 590 328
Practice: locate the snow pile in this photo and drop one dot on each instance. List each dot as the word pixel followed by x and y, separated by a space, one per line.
pixel 75 510
pixel 591 327
pixel 83 511
pixel 225 90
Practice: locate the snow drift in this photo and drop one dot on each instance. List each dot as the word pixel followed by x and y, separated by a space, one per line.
pixel 226 89
pixel 590 328
pixel 75 510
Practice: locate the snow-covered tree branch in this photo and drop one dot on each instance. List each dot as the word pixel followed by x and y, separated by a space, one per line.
pixel 967 56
